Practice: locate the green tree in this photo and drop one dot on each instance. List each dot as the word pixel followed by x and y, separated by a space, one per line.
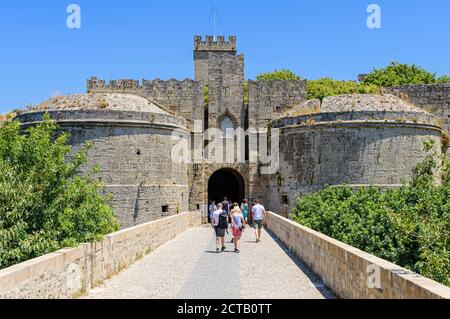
pixel 402 74
pixel 283 75
pixel 44 204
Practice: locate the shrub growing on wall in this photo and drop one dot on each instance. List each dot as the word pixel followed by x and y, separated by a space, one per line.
pixel 392 75
pixel 402 74
pixel 282 75
pixel 409 226
pixel 44 204
pixel 318 89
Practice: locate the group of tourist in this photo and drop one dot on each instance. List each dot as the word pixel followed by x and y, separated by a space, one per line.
pixel 226 215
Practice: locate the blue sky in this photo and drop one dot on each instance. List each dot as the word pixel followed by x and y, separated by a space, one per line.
pixel 40 56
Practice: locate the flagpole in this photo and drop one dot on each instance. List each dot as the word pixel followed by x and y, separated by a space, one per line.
pixel 215 12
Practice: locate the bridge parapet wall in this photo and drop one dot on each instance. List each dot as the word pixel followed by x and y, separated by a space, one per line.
pixel 350 272
pixel 70 273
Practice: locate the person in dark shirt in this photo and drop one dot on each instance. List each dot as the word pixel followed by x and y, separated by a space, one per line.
pixel 226 205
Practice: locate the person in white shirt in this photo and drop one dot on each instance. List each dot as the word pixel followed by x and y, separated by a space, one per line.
pixel 259 216
pixel 212 209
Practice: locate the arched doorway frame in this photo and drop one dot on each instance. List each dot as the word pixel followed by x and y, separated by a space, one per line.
pixel 239 178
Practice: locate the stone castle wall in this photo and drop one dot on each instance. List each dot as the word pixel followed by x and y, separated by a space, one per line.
pixel 218 66
pixel 204 49
pixel 215 45
pixel 435 98
pixel 183 98
pixel 134 152
pixel 313 156
pixel 269 99
pixel 226 89
pixel 95 85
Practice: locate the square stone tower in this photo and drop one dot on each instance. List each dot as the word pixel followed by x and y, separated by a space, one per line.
pixel 203 50
pixel 218 66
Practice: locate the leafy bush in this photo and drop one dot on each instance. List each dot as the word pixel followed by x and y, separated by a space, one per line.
pixel 318 89
pixel 392 75
pixel 443 79
pixel 402 74
pixel 409 226
pixel 44 204
pixel 206 94
pixel 283 75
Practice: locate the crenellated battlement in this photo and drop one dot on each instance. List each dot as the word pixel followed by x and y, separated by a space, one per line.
pixel 215 45
pixel 97 85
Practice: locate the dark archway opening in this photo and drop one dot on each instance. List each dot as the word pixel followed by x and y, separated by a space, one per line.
pixel 226 183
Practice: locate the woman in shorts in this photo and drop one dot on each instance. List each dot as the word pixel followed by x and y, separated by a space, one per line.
pixel 237 226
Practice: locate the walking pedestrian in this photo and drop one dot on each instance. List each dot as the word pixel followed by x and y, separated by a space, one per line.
pixel 226 205
pixel 212 208
pixel 237 226
pixel 259 216
pixel 244 209
pixel 220 225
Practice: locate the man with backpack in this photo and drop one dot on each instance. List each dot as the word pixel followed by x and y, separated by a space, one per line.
pixel 220 224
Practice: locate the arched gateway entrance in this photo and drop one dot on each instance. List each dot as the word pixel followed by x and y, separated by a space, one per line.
pixel 226 183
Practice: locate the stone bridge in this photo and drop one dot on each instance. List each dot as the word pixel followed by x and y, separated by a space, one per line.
pixel 175 258
pixel 188 267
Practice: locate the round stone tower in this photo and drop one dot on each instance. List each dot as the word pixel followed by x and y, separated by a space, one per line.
pixel 132 143
pixel 354 140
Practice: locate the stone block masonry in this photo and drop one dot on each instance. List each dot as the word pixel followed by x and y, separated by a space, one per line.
pixel 226 89
pixel 363 140
pixel 204 49
pixel 347 270
pixel 134 152
pixel 69 273
pixel 215 45
pixel 434 98
pixel 269 99
pixel 184 98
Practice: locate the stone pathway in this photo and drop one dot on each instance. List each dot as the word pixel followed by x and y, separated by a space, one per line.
pixel 188 268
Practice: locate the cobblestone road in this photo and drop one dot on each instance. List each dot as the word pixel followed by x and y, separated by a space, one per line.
pixel 188 268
